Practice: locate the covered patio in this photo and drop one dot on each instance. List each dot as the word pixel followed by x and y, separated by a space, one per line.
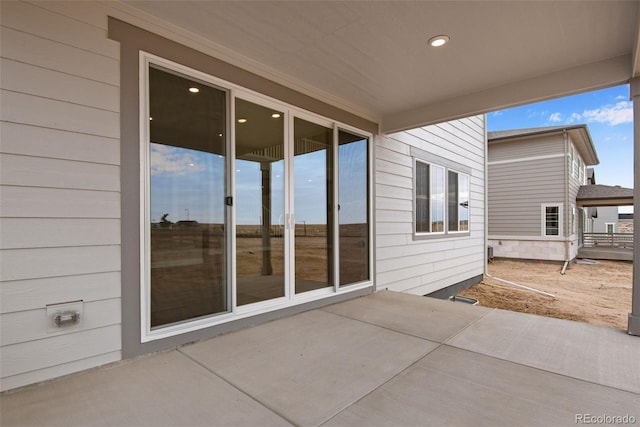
pixel 381 360
pixel 373 59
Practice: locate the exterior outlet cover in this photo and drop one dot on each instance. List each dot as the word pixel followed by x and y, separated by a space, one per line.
pixel 66 316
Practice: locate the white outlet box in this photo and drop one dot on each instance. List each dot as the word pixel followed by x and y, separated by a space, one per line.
pixel 66 316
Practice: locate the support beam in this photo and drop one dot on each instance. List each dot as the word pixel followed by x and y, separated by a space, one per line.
pixel 634 316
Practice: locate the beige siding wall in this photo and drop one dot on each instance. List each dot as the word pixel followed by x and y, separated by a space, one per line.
pixel 60 199
pixel 523 175
pixel 526 148
pixel 424 266
pixel 517 192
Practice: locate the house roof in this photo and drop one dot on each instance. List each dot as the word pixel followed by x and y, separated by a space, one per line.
pixel 604 195
pixel 372 57
pixel 579 135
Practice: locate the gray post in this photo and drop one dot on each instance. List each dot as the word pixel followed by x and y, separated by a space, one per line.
pixel 634 316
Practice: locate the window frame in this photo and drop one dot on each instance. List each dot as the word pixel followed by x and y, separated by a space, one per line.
pixel 420 156
pixel 459 175
pixel 543 218
pixel 234 91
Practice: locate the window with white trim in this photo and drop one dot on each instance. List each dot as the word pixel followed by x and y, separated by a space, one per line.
pixel 458 202
pixel 570 159
pixel 551 220
pixel 441 200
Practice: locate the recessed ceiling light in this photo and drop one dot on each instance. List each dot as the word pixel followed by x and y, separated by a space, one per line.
pixel 242 120
pixel 276 115
pixel 438 41
pixel 194 89
pixel 150 118
pixel 219 134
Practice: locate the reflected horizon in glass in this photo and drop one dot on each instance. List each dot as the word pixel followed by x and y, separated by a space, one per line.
pixel 313 195
pixel 259 203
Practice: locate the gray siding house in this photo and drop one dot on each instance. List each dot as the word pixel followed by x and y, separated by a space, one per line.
pixel 606 221
pixel 534 176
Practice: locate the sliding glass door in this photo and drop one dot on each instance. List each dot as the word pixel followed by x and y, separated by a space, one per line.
pixel 260 198
pixel 353 208
pixel 187 168
pixel 313 196
pixel 248 203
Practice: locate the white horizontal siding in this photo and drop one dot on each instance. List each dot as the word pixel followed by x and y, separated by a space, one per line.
pixel 21 264
pixel 21 233
pixel 29 356
pixel 33 80
pixel 60 196
pixel 50 113
pixel 33 294
pixel 35 202
pixel 56 56
pixel 58 144
pixel 424 266
pixel 32 325
pixel 54 173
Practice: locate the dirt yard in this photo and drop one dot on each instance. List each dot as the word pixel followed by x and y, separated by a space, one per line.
pixel 598 294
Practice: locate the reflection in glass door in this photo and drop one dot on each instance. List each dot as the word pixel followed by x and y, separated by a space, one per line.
pixel 353 208
pixel 186 207
pixel 260 272
pixel 313 205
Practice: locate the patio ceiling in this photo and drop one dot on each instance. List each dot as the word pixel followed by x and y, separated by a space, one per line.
pixel 372 58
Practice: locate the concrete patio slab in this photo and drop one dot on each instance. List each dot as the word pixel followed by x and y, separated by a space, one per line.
pixel 310 366
pixel 460 388
pixel 592 353
pixel 428 318
pixel 165 389
pixel 323 368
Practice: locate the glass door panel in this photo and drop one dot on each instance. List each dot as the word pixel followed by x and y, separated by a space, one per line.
pixel 313 206
pixel 260 271
pixel 353 208
pixel 187 190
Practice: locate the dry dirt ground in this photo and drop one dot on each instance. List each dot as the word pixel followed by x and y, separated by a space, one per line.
pixel 598 294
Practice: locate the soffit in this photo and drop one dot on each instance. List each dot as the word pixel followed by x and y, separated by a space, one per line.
pixel 374 56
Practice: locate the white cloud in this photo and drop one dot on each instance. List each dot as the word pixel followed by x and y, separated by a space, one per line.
pixel 555 117
pixel 574 117
pixel 173 160
pixel 613 115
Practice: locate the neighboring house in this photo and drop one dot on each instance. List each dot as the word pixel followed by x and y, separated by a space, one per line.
pixel 606 220
pixel 212 204
pixel 534 176
pixel 625 223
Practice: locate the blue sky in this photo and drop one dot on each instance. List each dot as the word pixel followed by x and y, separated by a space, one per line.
pixel 608 114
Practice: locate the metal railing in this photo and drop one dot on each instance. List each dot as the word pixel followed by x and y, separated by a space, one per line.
pixel 608 240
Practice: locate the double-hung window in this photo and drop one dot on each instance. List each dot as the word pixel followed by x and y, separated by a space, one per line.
pixel 458 202
pixel 430 195
pixel 441 200
pixel 551 220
